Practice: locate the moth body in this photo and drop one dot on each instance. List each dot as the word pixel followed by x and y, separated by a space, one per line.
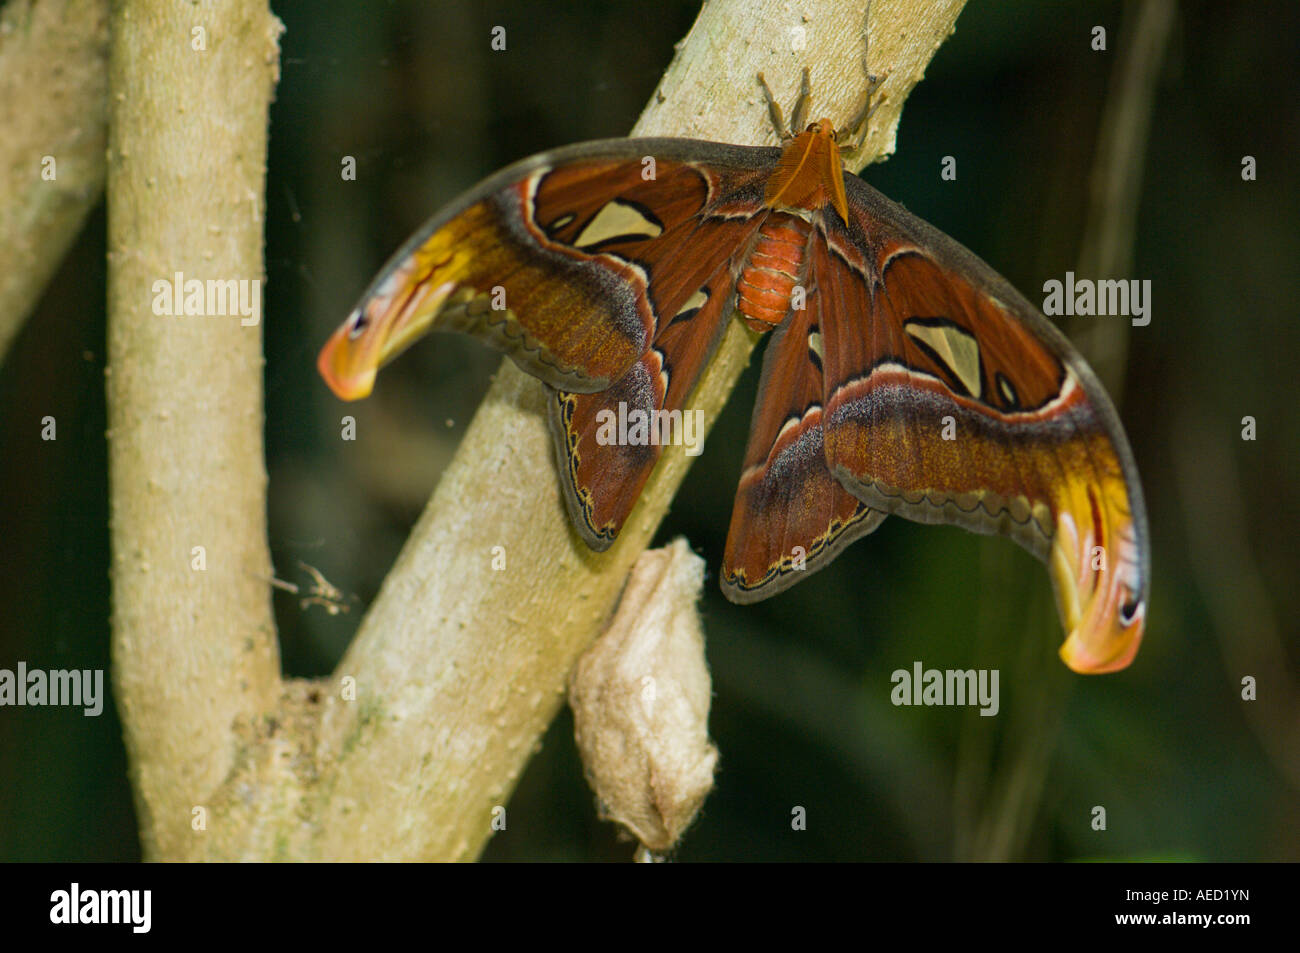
pixel 777 265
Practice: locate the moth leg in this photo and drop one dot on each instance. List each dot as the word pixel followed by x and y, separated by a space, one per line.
pixel 774 111
pixel 857 126
pixel 799 114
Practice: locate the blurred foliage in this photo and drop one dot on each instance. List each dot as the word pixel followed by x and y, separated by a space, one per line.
pixel 802 713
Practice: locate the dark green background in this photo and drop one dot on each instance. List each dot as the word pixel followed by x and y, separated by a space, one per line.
pixel 801 711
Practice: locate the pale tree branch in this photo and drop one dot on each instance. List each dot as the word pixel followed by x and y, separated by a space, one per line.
pixel 53 112
pixel 195 661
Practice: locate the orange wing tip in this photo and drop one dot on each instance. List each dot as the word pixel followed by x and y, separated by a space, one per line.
pixel 1094 653
pixel 1100 608
pixel 397 311
pixel 337 367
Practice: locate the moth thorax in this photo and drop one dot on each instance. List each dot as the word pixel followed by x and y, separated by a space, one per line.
pixel 809 174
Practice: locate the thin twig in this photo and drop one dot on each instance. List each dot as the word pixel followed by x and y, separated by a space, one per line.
pixel 996 811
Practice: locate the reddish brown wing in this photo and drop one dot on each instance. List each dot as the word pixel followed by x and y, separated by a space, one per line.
pixel 607 269
pixel 549 261
pixel 950 399
pixel 791 516
pixel 608 443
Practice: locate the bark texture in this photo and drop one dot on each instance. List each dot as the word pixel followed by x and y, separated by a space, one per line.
pixel 195 661
pixel 54 113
